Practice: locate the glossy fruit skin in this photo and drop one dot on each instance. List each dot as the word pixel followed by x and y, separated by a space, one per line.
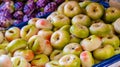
pixel 27 54
pixel 72 48
pixel 60 20
pixel 91 43
pixel 56 55
pixel 16 60
pixel 59 39
pixel 16 45
pixel 99 29
pixel 28 31
pixel 53 64
pixel 40 60
pixel 104 53
pixel 43 24
pixel 111 14
pixel 112 40
pixel 4 59
pixel 116 25
pixel 94 11
pixel 87 59
pixel 35 44
pixel 12 33
pixel 74 39
pixel 75 6
pixel 79 31
pixel 71 62
pixel 81 19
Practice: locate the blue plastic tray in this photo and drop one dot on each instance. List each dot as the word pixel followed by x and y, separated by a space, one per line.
pixel 109 61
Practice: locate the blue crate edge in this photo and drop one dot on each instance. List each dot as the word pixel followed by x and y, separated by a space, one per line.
pixel 108 62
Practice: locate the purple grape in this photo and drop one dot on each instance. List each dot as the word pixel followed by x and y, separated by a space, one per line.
pixel 5 13
pixel 26 18
pixel 50 7
pixel 16 22
pixel 42 3
pixel 8 6
pixel 18 15
pixel 5 22
pixel 29 8
pixel 59 1
pixel 18 5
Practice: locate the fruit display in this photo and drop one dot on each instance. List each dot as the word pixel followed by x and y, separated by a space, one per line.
pixel 77 34
pixel 14 12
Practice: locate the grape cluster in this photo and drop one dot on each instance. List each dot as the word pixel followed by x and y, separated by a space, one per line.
pixel 19 11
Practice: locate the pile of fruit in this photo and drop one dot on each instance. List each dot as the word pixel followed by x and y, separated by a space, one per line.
pixel 15 12
pixel 76 35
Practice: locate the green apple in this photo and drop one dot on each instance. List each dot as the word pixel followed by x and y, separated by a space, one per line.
pixel 81 19
pixel 1 37
pixel 48 46
pixel 94 10
pixel 112 40
pixel 28 31
pixel 84 4
pixel 72 48
pixel 53 14
pixel 99 29
pixel 27 54
pixel 74 39
pixel 91 43
pixel 111 14
pixel 116 25
pixel 53 64
pixel 72 8
pixel 40 60
pixel 56 55
pixel 70 60
pixel 35 44
pixel 39 45
pixel 117 51
pixel 61 8
pixel 46 34
pixel 104 52
pixel 5 61
pixel 19 62
pixel 33 21
pixel 86 59
pixel 59 39
pixel 79 31
pixel 60 20
pixel 43 24
pixel 12 33
pixel 112 31
pixel 65 27
pixel 16 45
